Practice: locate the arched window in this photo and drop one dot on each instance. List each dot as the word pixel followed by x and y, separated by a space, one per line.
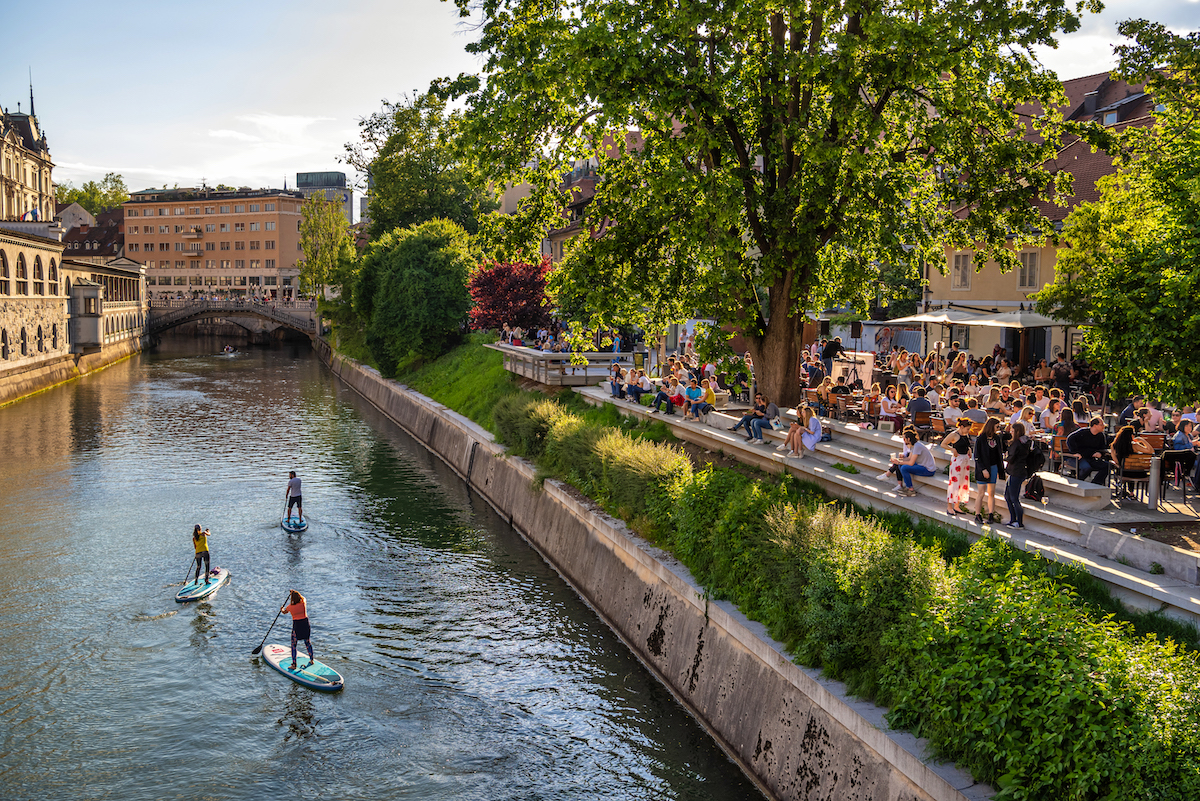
pixel 52 277
pixel 37 269
pixel 24 343
pixel 4 285
pixel 54 336
pixel 40 341
pixel 21 272
pixel 5 350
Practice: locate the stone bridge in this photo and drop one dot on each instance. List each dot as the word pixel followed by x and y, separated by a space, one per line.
pixel 300 315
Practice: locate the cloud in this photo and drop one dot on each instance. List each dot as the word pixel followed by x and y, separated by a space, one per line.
pixel 281 127
pixel 225 133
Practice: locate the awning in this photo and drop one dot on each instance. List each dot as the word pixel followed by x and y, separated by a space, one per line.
pixel 1010 319
pixel 944 317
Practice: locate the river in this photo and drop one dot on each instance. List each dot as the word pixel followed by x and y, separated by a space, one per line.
pixel 472 670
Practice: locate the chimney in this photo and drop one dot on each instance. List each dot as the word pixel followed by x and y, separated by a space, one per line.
pixel 83 228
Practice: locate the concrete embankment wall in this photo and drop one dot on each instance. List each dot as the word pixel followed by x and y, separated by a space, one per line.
pixel 19 383
pixel 797 735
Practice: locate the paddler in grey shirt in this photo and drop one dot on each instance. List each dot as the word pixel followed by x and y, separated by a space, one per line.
pixel 293 496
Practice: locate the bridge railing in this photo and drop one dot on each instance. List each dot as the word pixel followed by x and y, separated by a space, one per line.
pixel 164 313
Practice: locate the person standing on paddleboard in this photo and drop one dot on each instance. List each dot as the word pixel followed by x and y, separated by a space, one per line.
pixel 297 607
pixel 293 496
pixel 200 541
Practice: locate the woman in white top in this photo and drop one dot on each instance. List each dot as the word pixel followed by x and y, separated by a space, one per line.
pixel 918 462
pixel 811 434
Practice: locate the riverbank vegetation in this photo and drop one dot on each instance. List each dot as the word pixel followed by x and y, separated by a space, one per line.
pixel 1023 670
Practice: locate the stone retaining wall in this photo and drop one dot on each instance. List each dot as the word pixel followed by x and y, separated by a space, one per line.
pixel 794 733
pixel 21 381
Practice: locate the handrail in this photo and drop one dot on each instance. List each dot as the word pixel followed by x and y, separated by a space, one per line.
pixel 164 313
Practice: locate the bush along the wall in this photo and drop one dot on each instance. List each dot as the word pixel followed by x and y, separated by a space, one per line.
pixel 1010 664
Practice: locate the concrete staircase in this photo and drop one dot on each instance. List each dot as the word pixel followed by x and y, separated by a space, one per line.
pixel 1066 527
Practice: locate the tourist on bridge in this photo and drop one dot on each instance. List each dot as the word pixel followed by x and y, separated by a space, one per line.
pixel 293 496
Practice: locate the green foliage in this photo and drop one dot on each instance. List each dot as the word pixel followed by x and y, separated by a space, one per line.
pixel 1006 661
pixel 95 197
pixel 408 149
pixel 793 149
pixel 1131 271
pixel 470 379
pixel 412 293
pixel 324 238
pixel 845 468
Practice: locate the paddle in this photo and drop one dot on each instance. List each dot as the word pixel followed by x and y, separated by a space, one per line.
pixel 188 572
pixel 273 622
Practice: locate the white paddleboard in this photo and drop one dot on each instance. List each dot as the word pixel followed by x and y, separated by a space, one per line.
pixel 198 590
pixel 315 674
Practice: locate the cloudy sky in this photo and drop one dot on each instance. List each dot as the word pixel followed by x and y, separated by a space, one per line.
pixel 252 92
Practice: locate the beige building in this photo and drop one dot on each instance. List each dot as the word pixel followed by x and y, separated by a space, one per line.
pixel 1110 102
pixel 25 166
pixel 206 242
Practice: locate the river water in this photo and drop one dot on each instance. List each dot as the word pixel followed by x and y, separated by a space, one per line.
pixel 472 671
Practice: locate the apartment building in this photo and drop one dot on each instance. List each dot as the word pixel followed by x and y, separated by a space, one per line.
pixel 208 242
pixel 330 185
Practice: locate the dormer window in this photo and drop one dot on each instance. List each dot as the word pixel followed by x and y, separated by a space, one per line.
pixel 1110 118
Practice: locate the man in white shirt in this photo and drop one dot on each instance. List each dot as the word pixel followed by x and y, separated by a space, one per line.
pixel 1040 399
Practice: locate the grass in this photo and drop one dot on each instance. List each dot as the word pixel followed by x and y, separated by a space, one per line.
pixel 846 468
pixel 470 379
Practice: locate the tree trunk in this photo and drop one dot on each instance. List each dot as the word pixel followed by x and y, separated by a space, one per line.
pixel 776 353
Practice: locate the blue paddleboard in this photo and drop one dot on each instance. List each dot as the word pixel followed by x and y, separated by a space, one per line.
pixel 315 674
pixel 294 525
pixel 195 591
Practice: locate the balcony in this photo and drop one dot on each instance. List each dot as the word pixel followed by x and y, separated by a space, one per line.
pixel 195 233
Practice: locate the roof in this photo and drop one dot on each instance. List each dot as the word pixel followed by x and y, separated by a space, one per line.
pixel 26 128
pixel 94 240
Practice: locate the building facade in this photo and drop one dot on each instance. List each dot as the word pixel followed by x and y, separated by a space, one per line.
pixel 330 185
pixel 223 243
pixel 26 191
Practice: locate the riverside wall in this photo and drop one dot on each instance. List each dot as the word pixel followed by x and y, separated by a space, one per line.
pixel 796 734
pixel 20 382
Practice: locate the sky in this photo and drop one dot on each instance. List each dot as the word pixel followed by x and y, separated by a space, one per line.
pixel 249 93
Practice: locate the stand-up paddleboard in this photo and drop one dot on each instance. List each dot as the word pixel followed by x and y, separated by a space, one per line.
pixel 316 675
pixel 294 525
pixel 197 590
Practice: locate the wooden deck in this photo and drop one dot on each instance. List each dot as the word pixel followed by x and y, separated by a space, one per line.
pixel 556 369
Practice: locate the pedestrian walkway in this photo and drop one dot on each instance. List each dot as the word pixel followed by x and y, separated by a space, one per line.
pixel 1078 523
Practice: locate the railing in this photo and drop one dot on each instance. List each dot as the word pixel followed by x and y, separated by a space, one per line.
pixel 165 313
pixel 556 369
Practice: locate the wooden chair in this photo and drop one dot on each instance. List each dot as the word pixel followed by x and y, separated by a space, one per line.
pixel 976 430
pixel 1058 448
pixel 871 413
pixel 1156 441
pixel 938 426
pixel 1135 473
pixel 922 422
pixel 1068 463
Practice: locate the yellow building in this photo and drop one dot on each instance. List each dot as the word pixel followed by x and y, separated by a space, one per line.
pixel 26 191
pixel 228 243
pixel 1094 97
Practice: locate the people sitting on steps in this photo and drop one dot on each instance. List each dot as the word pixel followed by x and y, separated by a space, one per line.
pixel 672 393
pixel 917 460
pixel 766 421
pixel 758 410
pixel 707 402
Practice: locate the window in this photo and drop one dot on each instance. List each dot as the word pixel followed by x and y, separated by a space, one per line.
pixel 24 343
pixel 269 280
pixel 178 246
pixel 132 247
pixel 1028 275
pixel 239 245
pixel 226 280
pixel 179 210
pixel 210 280
pixel 133 229
pixel 255 280
pixel 131 212
pixel 194 246
pixel 152 281
pixel 183 280
pixel 53 278
pixel 147 229
pixel 254 243
pixel 210 228
pixel 211 264
pixel 239 209
pixel 287 282
pixel 225 264
pixel 269 245
pixel 224 246
pixel 210 245
pixel 270 264
pixel 254 226
pixel 270 226
pixel 255 264
pixel 179 229
pixel 194 210
pixel 162 212
pixel 41 341
pixel 239 264
pixel 210 209
pixel 239 227
pixel 22 272
pixel 224 228
pixel 1110 118
pixel 5 351
pixel 224 209
pixel 194 264
pixel 164 246
pixel 253 207
pixel 269 207
pixel 960 275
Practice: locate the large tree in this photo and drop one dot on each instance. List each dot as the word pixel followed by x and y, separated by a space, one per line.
pixel 323 233
pixel 94 196
pixel 787 151
pixel 417 174
pixel 510 293
pixel 1131 270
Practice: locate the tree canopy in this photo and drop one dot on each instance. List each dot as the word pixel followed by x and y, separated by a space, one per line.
pixel 416 173
pixel 95 197
pixel 412 293
pixel 510 293
pixel 323 233
pixel 1131 270
pixel 786 150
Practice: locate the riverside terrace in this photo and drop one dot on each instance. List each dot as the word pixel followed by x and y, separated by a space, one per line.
pixel 1077 522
